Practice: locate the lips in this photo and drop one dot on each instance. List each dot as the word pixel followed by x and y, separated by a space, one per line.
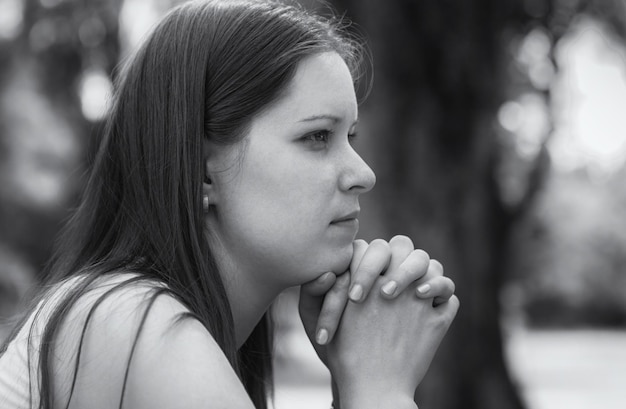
pixel 346 218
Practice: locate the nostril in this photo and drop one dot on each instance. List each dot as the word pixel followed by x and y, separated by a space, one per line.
pixel 359 179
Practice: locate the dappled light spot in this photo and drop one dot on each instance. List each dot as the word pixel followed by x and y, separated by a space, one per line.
pixel 95 90
pixel 527 118
pixel 11 19
pixel 590 101
pixel 136 19
pixel 534 55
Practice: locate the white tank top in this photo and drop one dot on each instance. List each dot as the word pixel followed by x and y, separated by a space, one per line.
pixel 19 387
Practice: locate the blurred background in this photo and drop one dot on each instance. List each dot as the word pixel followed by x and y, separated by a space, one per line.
pixel 497 129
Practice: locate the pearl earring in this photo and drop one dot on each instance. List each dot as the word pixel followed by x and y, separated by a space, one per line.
pixel 205 203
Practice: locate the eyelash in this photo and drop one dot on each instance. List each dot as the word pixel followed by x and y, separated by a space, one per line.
pixel 326 135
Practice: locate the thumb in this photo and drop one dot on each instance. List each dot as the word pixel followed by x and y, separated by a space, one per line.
pixel 311 300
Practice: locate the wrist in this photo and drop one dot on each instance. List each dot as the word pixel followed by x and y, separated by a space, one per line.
pixel 368 400
pixel 371 392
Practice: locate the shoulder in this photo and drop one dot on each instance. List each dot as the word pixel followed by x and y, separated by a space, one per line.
pixel 136 347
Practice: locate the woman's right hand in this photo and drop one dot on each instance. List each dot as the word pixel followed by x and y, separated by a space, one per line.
pixel 383 348
pixel 322 301
pixel 387 340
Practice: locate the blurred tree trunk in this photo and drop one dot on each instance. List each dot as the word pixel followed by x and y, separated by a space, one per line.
pixel 431 118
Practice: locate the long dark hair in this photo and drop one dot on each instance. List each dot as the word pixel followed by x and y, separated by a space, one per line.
pixel 202 74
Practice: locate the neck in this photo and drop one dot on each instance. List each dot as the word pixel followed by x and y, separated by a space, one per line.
pixel 248 302
pixel 248 296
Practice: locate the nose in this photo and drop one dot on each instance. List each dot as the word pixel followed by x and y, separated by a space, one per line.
pixel 356 176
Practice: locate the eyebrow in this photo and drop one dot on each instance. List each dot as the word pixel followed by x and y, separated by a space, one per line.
pixel 333 118
pixel 323 116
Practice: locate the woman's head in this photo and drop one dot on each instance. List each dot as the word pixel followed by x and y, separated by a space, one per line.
pixel 205 72
pixel 255 51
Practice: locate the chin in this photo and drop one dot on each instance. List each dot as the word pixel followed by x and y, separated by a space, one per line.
pixel 336 260
pixel 339 261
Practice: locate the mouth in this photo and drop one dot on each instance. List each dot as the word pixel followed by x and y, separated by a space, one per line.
pixel 348 218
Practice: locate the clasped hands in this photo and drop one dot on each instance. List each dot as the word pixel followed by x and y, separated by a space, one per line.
pixel 377 327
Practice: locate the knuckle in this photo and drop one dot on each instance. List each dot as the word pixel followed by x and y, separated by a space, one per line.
pixel 359 243
pixel 410 271
pixel 416 264
pixel 331 309
pixel 328 313
pixel 380 244
pixel 436 266
pixel 451 285
pixel 327 320
pixel 455 304
pixel 402 241
pixel 421 255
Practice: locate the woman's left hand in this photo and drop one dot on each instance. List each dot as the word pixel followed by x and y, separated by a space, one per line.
pixel 322 301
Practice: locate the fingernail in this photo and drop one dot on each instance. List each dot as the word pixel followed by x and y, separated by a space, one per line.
pixel 322 336
pixel 324 276
pixel 356 292
pixel 424 288
pixel 390 288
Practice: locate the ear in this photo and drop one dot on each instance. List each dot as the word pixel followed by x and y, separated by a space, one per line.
pixel 208 185
pixel 218 160
pixel 209 189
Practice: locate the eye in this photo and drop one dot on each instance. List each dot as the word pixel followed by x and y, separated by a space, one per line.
pixel 319 138
pixel 352 136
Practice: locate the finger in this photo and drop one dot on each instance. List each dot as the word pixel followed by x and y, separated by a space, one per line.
pixel 359 247
pixel 442 291
pixel 450 308
pixel 312 299
pixel 435 267
pixel 320 285
pixel 401 247
pixel 332 309
pixel 413 268
pixel 374 262
pixel 439 288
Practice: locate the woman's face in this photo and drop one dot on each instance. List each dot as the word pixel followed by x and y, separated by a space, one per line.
pixel 287 197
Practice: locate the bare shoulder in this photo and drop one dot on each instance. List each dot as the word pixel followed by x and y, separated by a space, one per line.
pixel 135 347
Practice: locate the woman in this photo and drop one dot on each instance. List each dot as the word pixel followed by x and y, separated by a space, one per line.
pixel 226 175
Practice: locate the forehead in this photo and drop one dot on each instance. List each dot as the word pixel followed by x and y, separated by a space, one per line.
pixel 322 85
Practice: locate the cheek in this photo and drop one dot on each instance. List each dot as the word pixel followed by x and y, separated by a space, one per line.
pixel 282 213
pixel 292 190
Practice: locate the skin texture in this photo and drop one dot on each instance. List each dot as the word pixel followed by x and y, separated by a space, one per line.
pixel 275 196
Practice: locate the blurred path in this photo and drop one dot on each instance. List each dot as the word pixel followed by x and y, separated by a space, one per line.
pixel 573 369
